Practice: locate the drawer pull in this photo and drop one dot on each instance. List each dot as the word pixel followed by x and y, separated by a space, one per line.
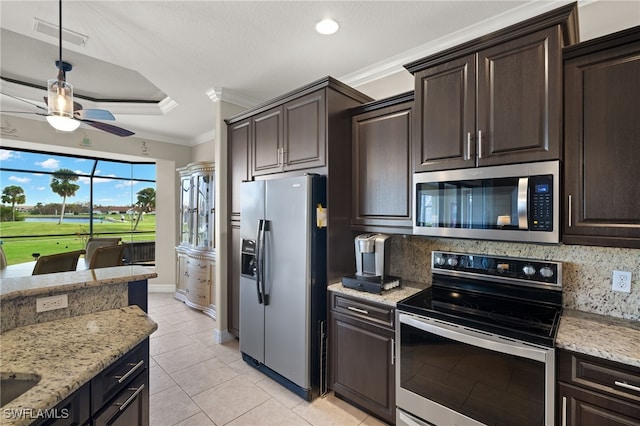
pixel 123 406
pixel 130 372
pixel 627 386
pixel 360 311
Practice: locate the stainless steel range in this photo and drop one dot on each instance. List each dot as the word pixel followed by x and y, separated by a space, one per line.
pixel 477 348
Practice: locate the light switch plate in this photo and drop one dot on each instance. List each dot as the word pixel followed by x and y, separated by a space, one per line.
pixel 621 281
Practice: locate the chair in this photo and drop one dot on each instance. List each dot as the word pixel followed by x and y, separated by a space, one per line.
pixel 106 256
pixel 94 243
pixel 60 262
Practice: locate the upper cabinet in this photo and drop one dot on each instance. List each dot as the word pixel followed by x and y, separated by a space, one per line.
pixel 494 100
pixel 602 141
pixel 382 168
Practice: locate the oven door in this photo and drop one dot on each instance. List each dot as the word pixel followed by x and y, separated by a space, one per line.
pixel 453 375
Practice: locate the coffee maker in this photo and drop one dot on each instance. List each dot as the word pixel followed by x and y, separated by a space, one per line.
pixel 372 255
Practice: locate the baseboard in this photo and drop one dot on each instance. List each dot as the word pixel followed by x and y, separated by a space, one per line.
pixel 222 336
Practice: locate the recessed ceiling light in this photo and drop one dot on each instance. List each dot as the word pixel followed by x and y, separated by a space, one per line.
pixel 327 26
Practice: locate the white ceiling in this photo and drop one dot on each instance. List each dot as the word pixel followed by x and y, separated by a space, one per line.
pixel 182 52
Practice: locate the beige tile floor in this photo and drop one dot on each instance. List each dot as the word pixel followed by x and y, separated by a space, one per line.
pixel 194 381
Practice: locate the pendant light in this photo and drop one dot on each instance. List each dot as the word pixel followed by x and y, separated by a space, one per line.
pixel 60 94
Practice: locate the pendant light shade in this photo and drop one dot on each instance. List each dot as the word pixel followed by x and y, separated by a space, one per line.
pixel 60 105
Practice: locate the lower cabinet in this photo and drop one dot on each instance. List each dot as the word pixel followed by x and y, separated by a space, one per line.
pixel 361 363
pixel 119 395
pixel 592 391
pixel 195 279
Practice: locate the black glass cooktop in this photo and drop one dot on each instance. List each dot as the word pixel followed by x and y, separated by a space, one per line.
pixel 500 311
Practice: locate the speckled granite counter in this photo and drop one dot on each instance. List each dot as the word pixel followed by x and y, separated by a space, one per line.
pixel 610 338
pixel 389 297
pixel 68 353
pixel 88 291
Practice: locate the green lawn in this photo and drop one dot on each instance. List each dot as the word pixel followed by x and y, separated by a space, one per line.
pixel 48 241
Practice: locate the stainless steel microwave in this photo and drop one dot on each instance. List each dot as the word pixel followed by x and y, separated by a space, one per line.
pixel 519 202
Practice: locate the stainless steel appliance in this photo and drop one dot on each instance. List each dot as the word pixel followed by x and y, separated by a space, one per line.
pixel 283 281
pixel 372 255
pixel 478 346
pixel 372 265
pixel 517 202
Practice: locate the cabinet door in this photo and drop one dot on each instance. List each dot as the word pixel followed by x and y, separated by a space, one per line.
pixel 578 406
pixel 519 102
pixel 239 135
pixel 602 137
pixel 304 132
pixel 382 169
pixel 362 364
pixel 182 273
pixel 185 210
pixel 203 213
pixel 233 280
pixel 266 155
pixel 445 96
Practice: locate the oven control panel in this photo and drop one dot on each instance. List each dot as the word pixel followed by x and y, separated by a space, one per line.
pixel 527 271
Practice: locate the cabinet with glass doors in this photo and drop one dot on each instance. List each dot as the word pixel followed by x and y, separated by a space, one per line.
pixel 195 255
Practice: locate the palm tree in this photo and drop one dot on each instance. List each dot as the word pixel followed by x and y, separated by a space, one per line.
pixel 146 202
pixel 62 184
pixel 13 195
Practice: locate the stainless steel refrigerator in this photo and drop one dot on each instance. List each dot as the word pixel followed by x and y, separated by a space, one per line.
pixel 283 281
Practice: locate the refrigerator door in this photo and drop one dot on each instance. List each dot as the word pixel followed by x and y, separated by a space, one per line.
pixel 288 278
pixel 251 308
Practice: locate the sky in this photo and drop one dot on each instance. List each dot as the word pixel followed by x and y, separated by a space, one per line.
pixel 107 191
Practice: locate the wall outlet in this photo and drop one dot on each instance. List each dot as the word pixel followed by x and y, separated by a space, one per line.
pixel 51 303
pixel 621 281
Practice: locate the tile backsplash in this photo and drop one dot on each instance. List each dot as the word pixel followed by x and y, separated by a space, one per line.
pixel 586 270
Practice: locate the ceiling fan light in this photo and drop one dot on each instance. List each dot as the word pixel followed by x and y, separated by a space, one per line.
pixel 63 124
pixel 60 98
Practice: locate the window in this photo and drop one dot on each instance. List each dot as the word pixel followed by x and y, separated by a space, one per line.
pixel 53 203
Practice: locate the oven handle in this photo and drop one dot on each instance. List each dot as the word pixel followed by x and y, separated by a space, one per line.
pixel 475 338
pixel 523 201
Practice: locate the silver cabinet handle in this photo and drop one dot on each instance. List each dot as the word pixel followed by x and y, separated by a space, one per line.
pixel 479 143
pixel 468 156
pixel 627 386
pixel 570 210
pixel 393 351
pixel 564 411
pixel 124 405
pixel 130 372
pixel 361 311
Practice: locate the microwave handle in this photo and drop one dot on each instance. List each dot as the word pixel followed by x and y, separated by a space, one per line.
pixel 523 201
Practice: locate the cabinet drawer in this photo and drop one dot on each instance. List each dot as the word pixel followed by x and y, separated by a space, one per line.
pixel 600 375
pixel 119 374
pixel 378 313
pixel 129 407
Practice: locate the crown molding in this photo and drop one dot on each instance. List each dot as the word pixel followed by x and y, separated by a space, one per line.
pixel 220 94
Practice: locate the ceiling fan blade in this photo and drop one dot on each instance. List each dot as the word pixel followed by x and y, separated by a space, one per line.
pixel 24 112
pixel 26 101
pixel 109 128
pixel 93 114
pixel 76 105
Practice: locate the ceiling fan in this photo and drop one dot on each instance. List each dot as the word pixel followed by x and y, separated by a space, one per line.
pixel 62 112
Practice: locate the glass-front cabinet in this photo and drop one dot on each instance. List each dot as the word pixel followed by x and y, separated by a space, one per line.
pixel 195 255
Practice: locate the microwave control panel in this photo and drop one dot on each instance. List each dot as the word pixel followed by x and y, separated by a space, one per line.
pixel 541 202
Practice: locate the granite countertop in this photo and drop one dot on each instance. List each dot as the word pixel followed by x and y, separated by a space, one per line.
pixel 67 353
pixel 388 297
pixel 34 285
pixel 610 338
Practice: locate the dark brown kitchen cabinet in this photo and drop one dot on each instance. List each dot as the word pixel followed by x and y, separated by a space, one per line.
pixel 307 130
pixel 602 141
pixel 382 168
pixel 119 395
pixel 290 136
pixel 362 354
pixel 494 100
pixel 592 391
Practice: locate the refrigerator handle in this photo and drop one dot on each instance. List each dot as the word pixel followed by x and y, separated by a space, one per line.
pixel 263 251
pixel 259 260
